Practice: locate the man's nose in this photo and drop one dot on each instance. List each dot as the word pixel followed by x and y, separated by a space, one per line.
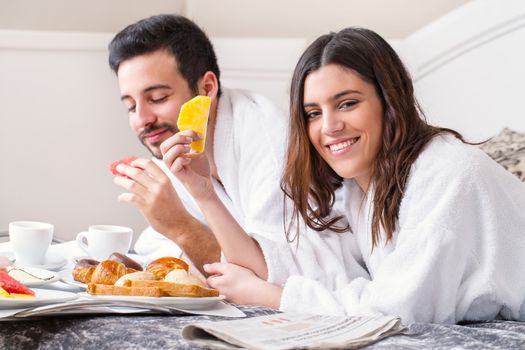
pixel 332 124
pixel 144 115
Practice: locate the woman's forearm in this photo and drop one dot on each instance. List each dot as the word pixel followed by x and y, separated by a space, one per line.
pixel 237 246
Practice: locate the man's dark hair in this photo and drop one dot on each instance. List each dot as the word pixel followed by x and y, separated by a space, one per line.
pixel 176 34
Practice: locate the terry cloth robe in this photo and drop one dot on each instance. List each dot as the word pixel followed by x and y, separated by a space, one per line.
pixel 249 150
pixel 458 252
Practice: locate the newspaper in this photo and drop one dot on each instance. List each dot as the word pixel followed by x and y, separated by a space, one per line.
pixel 292 331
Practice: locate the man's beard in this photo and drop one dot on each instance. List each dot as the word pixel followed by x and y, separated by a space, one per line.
pixel 152 128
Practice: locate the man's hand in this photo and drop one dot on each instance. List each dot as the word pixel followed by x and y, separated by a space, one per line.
pixel 151 191
pixel 241 286
pixel 192 169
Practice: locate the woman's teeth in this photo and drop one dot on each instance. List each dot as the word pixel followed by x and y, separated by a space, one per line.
pixel 339 146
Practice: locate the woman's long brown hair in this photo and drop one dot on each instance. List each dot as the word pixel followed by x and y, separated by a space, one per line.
pixel 308 180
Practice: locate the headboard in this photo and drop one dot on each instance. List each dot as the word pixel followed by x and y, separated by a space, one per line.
pixel 469 67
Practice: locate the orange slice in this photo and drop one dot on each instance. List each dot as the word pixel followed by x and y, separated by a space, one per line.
pixel 194 116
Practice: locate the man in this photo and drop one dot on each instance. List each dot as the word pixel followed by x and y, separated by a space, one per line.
pixel 163 61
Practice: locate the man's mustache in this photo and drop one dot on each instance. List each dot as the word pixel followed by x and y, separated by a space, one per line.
pixel 155 127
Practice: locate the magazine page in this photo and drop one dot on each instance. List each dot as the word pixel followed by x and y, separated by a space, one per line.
pixel 289 331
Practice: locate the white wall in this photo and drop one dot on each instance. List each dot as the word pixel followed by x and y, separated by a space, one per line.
pixel 311 18
pixel 81 16
pixel 230 18
pixel 62 123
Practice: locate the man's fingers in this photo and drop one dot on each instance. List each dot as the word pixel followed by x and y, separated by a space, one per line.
pixel 179 165
pixel 131 185
pixel 180 138
pixel 175 152
pixel 150 167
pixel 131 198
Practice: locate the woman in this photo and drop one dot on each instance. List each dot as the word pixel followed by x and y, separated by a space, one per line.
pixel 440 226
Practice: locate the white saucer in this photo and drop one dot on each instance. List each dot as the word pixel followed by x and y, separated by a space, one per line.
pixel 53 262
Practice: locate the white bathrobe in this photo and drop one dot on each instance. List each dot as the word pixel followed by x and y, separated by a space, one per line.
pixel 249 151
pixel 458 252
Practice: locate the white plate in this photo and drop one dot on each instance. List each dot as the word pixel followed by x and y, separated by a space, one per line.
pixel 66 277
pixel 49 276
pixel 42 297
pixel 182 302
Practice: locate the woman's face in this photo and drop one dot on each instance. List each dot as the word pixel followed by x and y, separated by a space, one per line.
pixel 344 120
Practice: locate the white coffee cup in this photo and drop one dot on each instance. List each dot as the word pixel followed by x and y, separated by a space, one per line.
pixel 100 241
pixel 30 241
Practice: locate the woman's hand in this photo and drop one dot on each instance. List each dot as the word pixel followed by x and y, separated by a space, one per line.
pixel 191 168
pixel 241 286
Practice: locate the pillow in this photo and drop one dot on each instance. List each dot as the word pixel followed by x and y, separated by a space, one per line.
pixel 508 149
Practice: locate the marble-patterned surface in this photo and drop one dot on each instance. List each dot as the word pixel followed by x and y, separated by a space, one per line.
pixel 163 332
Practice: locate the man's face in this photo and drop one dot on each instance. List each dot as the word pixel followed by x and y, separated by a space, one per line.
pixel 153 91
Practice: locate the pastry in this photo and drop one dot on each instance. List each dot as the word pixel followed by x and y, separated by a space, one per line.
pixel 104 289
pixel 138 275
pixel 166 276
pixel 108 272
pixel 184 277
pixel 162 266
pixel 175 289
pixel 127 261
pixel 84 269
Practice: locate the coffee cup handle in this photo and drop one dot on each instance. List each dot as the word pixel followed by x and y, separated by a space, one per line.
pixel 80 241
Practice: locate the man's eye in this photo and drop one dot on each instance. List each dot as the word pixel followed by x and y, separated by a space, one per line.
pixel 131 109
pixel 159 100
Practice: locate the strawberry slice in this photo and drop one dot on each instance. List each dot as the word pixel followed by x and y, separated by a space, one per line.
pixel 10 285
pixel 113 166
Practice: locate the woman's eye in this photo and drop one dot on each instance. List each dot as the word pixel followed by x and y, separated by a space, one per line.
pixel 347 104
pixel 312 114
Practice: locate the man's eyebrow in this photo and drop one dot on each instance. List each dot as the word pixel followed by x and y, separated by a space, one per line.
pixel 148 89
pixel 335 97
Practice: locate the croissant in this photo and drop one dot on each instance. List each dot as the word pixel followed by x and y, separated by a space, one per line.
pixel 83 274
pixel 84 270
pixel 162 266
pixel 108 272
